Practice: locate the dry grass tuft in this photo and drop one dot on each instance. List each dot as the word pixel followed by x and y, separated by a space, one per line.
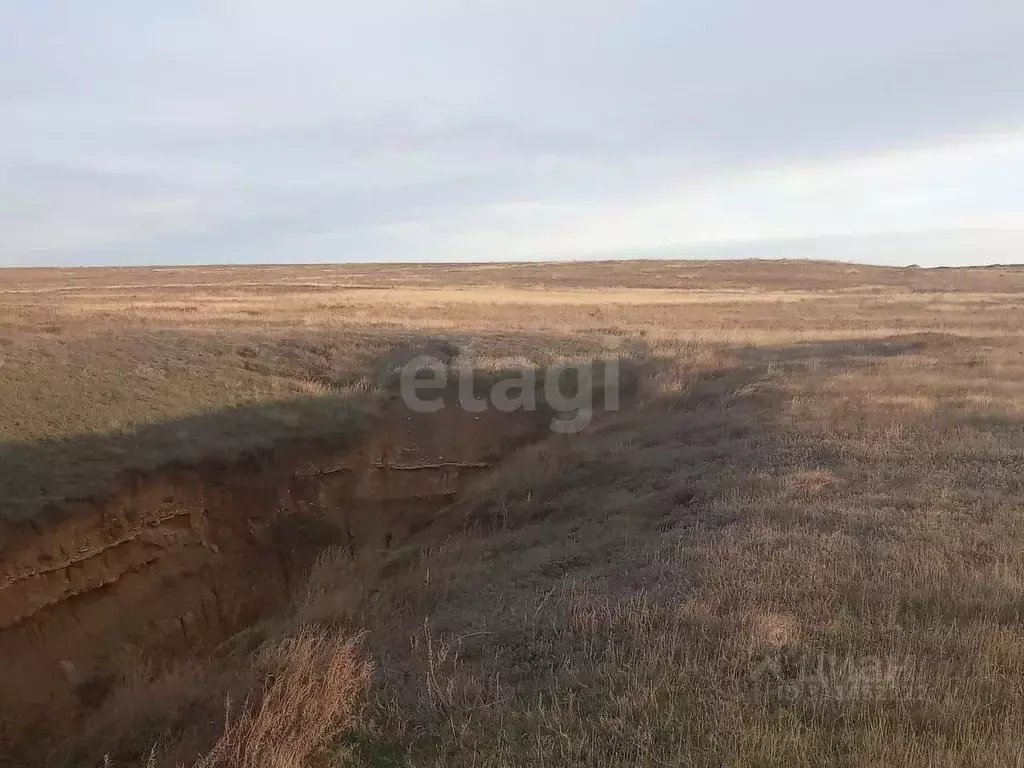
pixel 314 680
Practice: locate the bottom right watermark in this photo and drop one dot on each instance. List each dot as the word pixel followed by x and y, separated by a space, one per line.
pixel 842 677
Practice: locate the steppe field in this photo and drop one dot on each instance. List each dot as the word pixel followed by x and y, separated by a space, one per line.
pixel 798 542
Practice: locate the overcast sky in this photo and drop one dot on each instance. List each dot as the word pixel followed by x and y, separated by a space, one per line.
pixel 886 131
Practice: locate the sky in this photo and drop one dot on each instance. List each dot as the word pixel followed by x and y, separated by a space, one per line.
pixel 217 131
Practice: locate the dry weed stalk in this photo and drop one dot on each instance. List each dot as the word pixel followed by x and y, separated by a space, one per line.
pixel 315 678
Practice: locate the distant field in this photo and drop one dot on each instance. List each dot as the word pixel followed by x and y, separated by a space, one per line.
pixel 805 547
pixel 111 366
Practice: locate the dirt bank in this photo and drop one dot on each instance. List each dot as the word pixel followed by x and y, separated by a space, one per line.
pixel 172 561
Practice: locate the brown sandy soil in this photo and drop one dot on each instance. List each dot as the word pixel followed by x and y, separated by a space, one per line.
pixel 171 561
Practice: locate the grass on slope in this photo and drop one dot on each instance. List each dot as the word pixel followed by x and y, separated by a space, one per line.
pixel 791 556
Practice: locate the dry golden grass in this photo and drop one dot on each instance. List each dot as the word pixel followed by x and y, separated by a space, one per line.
pixel 106 368
pixel 804 548
pixel 278 703
pixel 315 680
pixel 761 568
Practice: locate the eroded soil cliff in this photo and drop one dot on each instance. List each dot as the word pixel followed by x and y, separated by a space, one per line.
pixel 173 561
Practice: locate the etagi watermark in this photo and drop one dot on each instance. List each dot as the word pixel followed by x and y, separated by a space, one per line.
pixel 839 677
pixel 569 390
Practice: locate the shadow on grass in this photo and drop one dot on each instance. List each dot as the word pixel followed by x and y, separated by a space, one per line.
pixel 552 525
pixel 616 589
pixel 49 471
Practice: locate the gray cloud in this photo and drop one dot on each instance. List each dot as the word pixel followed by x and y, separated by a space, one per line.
pixel 237 131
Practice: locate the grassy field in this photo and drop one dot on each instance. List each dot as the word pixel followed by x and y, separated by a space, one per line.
pixel 803 547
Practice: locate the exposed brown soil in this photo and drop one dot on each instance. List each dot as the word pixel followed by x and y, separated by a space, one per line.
pixel 177 560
